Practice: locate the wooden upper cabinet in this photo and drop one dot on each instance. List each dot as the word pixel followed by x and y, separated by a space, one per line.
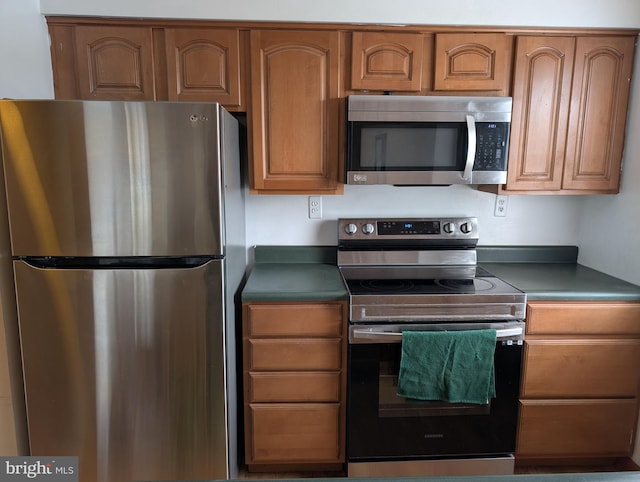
pixel 472 61
pixel 570 100
pixel 294 115
pixel 600 94
pixel 114 63
pixel 204 65
pixel 386 61
pixel 541 95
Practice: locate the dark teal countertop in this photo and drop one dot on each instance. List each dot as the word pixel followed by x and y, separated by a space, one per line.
pixel 294 273
pixel 552 273
pixel 309 273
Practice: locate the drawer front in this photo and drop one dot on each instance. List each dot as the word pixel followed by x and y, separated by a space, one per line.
pixel 576 428
pixel 294 433
pixel 294 320
pixel 581 368
pixel 294 387
pixel 291 355
pixel 614 318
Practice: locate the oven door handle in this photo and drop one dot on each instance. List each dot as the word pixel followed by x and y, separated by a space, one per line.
pixel 391 336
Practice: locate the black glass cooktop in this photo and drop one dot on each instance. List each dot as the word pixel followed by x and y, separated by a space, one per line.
pixel 483 283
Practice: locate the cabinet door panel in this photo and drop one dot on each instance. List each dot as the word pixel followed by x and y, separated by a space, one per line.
pixel 292 354
pixel 115 63
pixel 290 433
pixel 294 387
pixel 203 65
pixel 576 428
pixel 541 93
pixel 472 61
pixel 294 320
pixel 601 368
pixel 295 110
pixel 597 120
pixel 386 61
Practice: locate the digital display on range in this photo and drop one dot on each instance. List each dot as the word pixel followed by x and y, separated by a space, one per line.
pixel 392 228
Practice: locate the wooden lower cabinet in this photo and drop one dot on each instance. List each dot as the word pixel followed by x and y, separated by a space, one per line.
pixel 577 428
pixel 285 433
pixel 294 375
pixel 580 381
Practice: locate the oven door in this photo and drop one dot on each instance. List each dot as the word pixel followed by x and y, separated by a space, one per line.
pixel 384 426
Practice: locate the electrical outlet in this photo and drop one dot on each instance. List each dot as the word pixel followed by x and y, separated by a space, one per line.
pixel 315 207
pixel 502 202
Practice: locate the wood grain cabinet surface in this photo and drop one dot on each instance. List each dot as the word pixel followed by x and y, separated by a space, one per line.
pixel 470 61
pixel 114 63
pixel 95 61
pixel 295 111
pixel 570 98
pixel 581 375
pixel 294 376
pixel 203 64
pixel 570 88
pixel 386 61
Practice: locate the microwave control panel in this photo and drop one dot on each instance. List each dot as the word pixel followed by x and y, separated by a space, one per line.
pixel 491 146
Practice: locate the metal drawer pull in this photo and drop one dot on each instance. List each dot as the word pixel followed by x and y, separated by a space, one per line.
pixel 396 336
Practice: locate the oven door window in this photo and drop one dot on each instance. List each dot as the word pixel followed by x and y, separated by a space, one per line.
pixel 408 146
pixel 382 425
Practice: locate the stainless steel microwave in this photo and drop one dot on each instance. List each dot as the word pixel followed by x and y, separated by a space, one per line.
pixel 427 140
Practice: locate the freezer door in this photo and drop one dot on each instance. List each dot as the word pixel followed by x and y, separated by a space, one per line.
pixel 126 369
pixel 95 178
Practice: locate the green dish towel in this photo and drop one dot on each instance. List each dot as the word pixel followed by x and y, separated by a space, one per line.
pixel 452 366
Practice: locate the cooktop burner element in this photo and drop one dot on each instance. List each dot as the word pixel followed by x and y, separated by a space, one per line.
pixel 420 269
pixel 466 285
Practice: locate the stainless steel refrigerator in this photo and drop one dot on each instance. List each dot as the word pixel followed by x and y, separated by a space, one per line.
pixel 127 232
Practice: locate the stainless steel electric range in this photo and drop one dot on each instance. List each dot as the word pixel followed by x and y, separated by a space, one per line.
pixel 422 275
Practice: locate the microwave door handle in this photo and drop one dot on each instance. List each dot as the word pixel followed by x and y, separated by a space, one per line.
pixel 471 151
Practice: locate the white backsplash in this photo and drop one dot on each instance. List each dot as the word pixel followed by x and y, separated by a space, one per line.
pixel 547 220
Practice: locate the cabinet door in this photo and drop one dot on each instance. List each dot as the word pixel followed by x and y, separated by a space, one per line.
pixel 472 61
pixel 294 117
pixel 204 65
pixel 576 428
pixel 541 94
pixel 600 93
pixel 115 63
pixel 386 61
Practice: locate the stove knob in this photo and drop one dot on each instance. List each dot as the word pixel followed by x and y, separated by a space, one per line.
pixel 351 229
pixel 368 228
pixel 466 228
pixel 449 228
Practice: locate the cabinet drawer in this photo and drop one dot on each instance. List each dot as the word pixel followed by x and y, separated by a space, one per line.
pixel 294 387
pixel 583 318
pixel 290 433
pixel 581 368
pixel 294 320
pixel 576 427
pixel 292 355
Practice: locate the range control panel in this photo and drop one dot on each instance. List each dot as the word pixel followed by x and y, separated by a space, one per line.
pixel 373 229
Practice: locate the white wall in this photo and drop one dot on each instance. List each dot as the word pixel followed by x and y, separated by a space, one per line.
pixel 587 13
